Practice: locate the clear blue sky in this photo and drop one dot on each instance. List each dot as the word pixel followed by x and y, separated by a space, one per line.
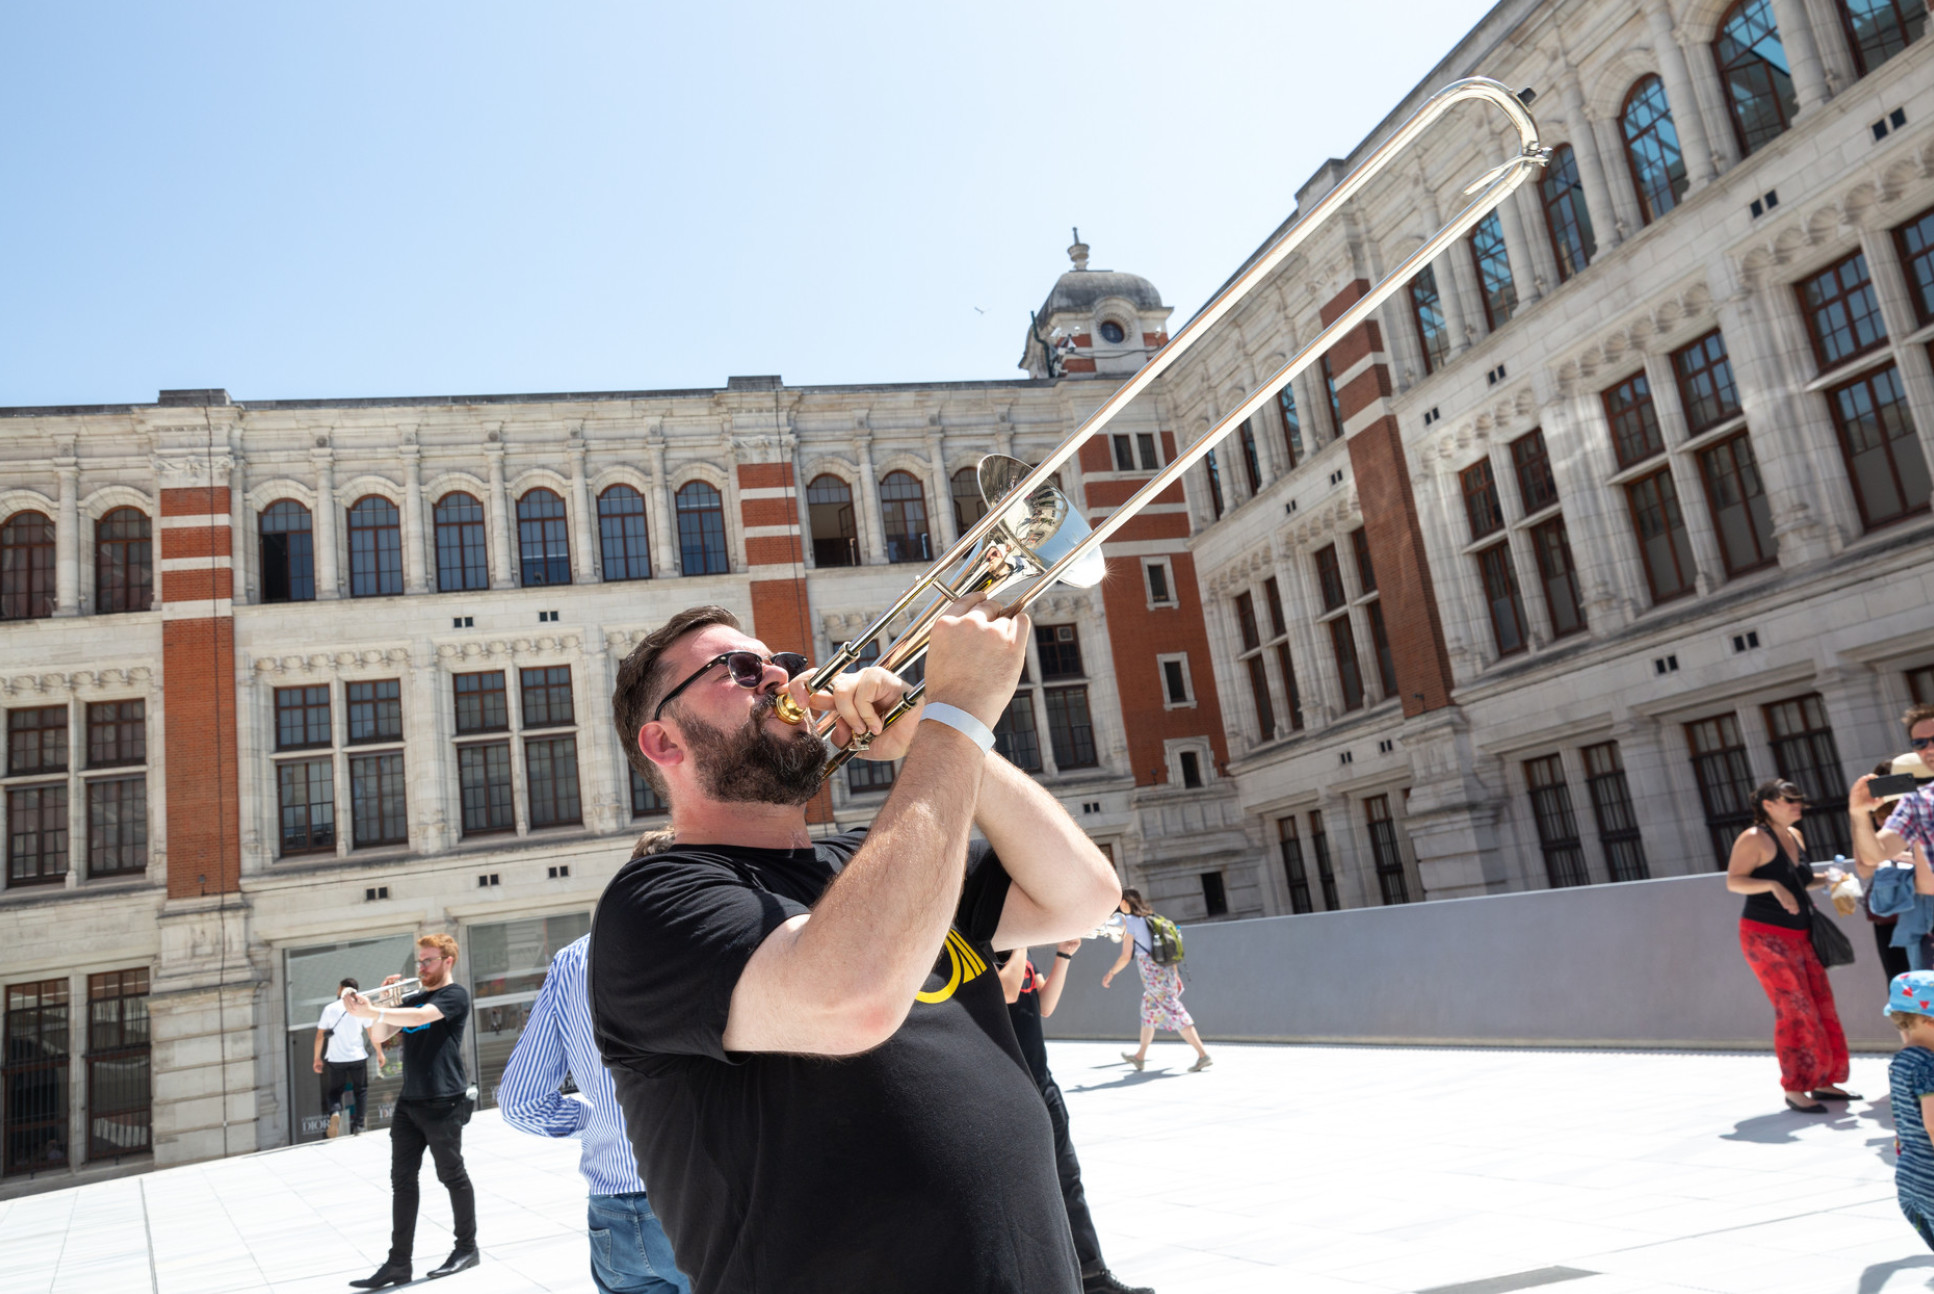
pixel 432 198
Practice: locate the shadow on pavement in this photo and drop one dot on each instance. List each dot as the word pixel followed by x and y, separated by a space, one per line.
pixel 1875 1278
pixel 1779 1126
pixel 1131 1079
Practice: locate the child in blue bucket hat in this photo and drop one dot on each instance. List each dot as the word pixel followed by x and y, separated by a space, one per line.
pixel 1910 1077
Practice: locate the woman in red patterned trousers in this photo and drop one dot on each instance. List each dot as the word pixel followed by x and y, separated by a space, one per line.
pixel 1769 867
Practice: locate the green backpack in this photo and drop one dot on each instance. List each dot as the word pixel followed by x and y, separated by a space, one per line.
pixel 1164 941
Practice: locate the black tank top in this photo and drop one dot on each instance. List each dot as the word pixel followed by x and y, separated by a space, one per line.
pixel 1795 876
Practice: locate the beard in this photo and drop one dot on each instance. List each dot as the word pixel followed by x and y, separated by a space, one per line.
pixel 755 765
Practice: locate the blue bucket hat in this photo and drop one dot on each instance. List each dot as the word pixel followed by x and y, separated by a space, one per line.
pixel 1913 992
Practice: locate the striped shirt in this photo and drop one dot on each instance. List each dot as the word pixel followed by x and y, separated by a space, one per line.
pixel 558 1039
pixel 1913 818
pixel 1910 1076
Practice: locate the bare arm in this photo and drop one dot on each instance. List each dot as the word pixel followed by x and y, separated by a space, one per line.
pixel 1752 850
pixel 1127 955
pixel 1871 848
pixel 387 1022
pixel 1063 885
pixel 320 1035
pixel 1013 975
pixel 1050 989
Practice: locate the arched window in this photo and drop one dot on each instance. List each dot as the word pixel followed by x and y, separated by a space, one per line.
pixel 1652 149
pixel 26 567
pixel 621 532
pixel 1252 465
pixel 543 547
pixel 1493 265
pixel 903 508
pixel 1427 308
pixel 462 548
pixel 123 562
pixel 1880 29
pixel 1567 219
pixel 375 548
pixel 969 506
pixel 836 536
pixel 288 553
pixel 1215 483
pixel 1752 64
pixel 701 530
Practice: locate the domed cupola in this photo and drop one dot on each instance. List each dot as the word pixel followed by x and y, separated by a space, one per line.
pixel 1095 323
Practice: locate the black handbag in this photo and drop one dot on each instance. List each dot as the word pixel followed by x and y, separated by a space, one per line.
pixel 1830 942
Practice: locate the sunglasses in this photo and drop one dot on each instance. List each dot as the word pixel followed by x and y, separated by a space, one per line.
pixel 1794 799
pixel 1920 743
pixel 748 669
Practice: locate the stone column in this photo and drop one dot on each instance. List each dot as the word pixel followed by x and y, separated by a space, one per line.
pixel 1802 53
pixel 1686 117
pixel 1540 261
pixel 429 752
pixel 415 563
pixel 867 502
pixel 498 508
pixel 609 801
pixel 328 580
pixel 583 569
pixel 1713 109
pixel 666 559
pixel 941 510
pixel 734 510
pixel 1709 564
pixel 1591 166
pixel 241 530
pixel 1619 179
pixel 1525 276
pixel 67 534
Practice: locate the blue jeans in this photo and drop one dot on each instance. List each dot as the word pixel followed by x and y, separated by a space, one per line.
pixel 629 1251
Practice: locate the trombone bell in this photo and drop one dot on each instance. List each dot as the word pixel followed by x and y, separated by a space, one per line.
pixel 1040 528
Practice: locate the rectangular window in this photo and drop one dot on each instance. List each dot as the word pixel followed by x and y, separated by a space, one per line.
pixel 551 769
pixel 1292 425
pixel 1214 474
pixel 1246 622
pixel 1661 532
pixel 481 704
pixel 1537 489
pixel 1059 648
pixel 1877 440
pixel 1215 899
pixel 36 835
pixel 1124 454
pixel 1158 582
pixel 1191 764
pixel 483 778
pixel 1273 597
pixel 1635 423
pixel 376 803
pixel 37 740
pixel 1380 643
pixel 1366 574
pixel 1319 845
pixel 1433 334
pixel 1618 825
pixel 1175 681
pixel 120 1089
pixel 1842 312
pixel 375 711
pixel 1251 464
pixel 1493 264
pixel 117 826
pixel 1557 825
pixel 1336 401
pixel 1916 240
pixel 864 775
pixel 1069 728
pixel 1739 509
pixel 1725 780
pixel 1293 871
pixel 1384 850
pixel 1501 596
pixel 1481 507
pixel 1329 577
pixel 1806 755
pixel 645 800
pixel 1015 737
pixel 301 717
pixel 547 697
pixel 117 733
pixel 1349 676
pixel 1151 456
pixel 1560 579
pixel 306 793
pixel 1920 684
pixel 1259 692
pixel 1295 699
pixel 39 1041
pixel 1706 386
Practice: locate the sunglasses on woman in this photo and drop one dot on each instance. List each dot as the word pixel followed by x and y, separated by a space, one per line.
pixel 1921 743
pixel 748 669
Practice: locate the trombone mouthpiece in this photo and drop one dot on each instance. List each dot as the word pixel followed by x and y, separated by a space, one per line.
pixel 788 709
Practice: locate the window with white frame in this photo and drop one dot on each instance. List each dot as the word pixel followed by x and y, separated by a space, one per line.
pixel 1178 689
pixel 1158 579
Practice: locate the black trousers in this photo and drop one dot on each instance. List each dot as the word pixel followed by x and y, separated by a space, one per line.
pixel 437 1126
pixel 1087 1245
pixel 1893 961
pixel 351 1074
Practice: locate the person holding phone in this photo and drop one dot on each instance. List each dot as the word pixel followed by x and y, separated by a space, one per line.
pixel 1769 867
pixel 1912 821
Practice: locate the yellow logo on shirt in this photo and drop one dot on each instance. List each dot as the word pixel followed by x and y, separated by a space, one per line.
pixel 966 964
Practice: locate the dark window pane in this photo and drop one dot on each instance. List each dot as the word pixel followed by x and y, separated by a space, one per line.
pixel 1883 455
pixel 306 790
pixel 1251 466
pixel 26 567
pixel 903 513
pixel 645 800
pixel 1537 489
pixel 375 548
pixel 1916 239
pixel 1880 29
pixel 1618 824
pixel 1069 728
pixel 38 1032
pixel 1175 682
pixel 1380 644
pixel 117 733
pixel 625 545
pixel 37 834
pixel 836 535
pixel 1806 755
pixel 483 775
pixel 1366 574
pixel 1560 579
pixel 1295 698
pixel 481 705
pixel 1246 622
pixel 1273 595
pixel 1215 899
pixel 1494 281
pixel 1433 334
pixel 1481 506
pixel 1259 693
pixel 1336 399
pixel 701 530
pixel 375 710
pixel 117 826
pixel 301 717
pixel 120 1095
pixel 1384 850
pixel 37 740
pixel 462 550
pixel 1566 218
pixel 376 800
pixel 1329 577
pixel 1158 583
pixel 1842 312
pixel 123 562
pixel 543 540
pixel 1706 384
pixel 1661 532
pixel 1502 598
pixel 1293 870
pixel 867 775
pixel 1635 423
pixel 551 765
pixel 547 696
pixel 1652 149
pixel 1319 843
pixel 1725 779
pixel 1753 70
pixel 1739 508
pixel 1349 675
pixel 288 553
pixel 1214 475
pixel 1015 736
pixel 1557 826
pixel 969 506
pixel 1292 424
pixel 1145 446
pixel 1059 648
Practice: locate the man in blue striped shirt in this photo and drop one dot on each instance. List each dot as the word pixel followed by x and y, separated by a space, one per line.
pixel 629 1251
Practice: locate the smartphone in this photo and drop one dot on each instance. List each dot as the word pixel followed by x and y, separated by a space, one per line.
pixel 1891 785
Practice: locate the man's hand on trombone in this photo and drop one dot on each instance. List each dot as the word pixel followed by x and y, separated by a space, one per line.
pixel 860 699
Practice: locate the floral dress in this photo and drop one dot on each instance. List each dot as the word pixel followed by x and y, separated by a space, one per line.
pixel 1161 988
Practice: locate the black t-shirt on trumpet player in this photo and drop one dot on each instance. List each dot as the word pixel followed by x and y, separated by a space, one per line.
pixel 925 1164
pixel 433 1052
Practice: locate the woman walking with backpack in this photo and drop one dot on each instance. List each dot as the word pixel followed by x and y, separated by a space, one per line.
pixel 1161 985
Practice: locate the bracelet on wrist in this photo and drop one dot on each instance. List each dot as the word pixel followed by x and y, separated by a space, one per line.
pixel 1066 957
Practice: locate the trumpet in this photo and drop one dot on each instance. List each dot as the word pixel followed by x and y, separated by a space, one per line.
pixel 1033 535
pixel 391 995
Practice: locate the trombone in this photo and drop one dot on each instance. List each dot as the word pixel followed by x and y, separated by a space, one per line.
pixel 1032 532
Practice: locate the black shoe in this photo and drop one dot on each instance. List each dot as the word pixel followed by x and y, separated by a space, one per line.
pixel 387 1274
pixel 458 1261
pixel 1106 1282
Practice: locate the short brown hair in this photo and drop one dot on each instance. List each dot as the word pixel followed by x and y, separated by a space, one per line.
pixel 642 677
pixel 442 943
pixel 1903 1020
pixel 1917 714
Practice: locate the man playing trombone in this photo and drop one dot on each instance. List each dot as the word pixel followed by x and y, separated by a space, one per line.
pixel 808 1040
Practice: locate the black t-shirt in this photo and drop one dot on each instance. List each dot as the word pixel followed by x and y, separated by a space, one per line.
pixel 925 1164
pixel 433 1052
pixel 1025 1011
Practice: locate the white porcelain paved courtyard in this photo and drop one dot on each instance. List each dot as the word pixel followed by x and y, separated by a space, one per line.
pixel 1315 1170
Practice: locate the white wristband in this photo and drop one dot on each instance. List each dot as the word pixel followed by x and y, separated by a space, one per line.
pixel 380 1013
pixel 960 721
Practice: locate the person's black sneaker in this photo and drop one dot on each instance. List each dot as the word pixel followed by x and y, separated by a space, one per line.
pixel 1106 1282
pixel 459 1260
pixel 387 1274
